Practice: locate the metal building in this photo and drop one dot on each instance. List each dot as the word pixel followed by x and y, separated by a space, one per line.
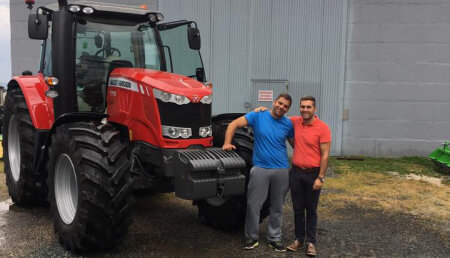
pixel 280 46
pixel 374 66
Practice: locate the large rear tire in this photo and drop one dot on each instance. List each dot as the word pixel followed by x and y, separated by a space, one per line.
pixel 90 188
pixel 229 212
pixel 25 187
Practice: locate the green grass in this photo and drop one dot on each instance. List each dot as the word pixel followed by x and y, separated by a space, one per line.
pixel 375 183
pixel 3 187
pixel 403 166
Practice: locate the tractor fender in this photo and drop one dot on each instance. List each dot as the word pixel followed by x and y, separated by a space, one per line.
pixel 227 116
pixel 77 117
pixel 40 106
pixel 44 136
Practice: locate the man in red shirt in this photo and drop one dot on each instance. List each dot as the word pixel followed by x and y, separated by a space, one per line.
pixel 312 143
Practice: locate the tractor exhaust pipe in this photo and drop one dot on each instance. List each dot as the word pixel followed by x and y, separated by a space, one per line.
pixel 62 5
pixel 63 60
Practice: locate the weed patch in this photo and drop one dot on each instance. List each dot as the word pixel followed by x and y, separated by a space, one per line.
pixel 403 166
pixel 3 188
pixel 378 183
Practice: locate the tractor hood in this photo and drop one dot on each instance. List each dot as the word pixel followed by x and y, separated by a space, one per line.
pixel 169 82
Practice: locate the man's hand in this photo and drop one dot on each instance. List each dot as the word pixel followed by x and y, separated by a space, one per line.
pixel 317 184
pixel 237 123
pixel 260 109
pixel 228 146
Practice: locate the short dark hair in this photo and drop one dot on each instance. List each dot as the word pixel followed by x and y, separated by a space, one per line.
pixel 308 97
pixel 286 96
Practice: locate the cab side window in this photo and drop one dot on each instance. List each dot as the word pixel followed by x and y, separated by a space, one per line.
pixel 47 54
pixel 179 57
pixel 151 51
pixel 90 70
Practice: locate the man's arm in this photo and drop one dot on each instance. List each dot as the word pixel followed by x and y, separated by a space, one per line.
pixel 324 153
pixel 231 129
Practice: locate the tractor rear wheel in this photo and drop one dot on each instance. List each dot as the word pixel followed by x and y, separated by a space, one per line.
pixel 24 186
pixel 229 212
pixel 90 188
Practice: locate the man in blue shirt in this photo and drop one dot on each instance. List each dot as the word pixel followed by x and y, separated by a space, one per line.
pixel 270 168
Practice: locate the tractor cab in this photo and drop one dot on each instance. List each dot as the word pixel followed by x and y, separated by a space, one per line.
pixel 108 36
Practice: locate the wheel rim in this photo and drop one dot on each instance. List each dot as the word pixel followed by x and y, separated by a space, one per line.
pixel 66 190
pixel 216 201
pixel 14 147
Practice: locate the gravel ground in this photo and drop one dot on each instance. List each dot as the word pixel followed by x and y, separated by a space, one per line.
pixel 165 226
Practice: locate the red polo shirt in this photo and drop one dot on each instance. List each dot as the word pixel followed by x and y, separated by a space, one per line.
pixel 308 138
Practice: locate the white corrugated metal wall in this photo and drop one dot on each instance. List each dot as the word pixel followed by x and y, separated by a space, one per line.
pixel 300 43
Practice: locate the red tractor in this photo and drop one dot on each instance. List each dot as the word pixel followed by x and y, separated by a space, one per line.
pixel 120 103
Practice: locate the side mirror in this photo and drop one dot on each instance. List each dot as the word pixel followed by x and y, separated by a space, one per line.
pixel 38 26
pixel 194 38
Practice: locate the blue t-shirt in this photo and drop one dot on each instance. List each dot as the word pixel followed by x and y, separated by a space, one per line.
pixel 269 148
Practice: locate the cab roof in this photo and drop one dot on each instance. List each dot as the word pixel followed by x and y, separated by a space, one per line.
pixel 107 7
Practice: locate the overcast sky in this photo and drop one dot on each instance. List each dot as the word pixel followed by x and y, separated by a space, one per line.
pixel 5 42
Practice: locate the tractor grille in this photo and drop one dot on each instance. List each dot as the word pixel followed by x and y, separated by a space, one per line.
pixel 192 115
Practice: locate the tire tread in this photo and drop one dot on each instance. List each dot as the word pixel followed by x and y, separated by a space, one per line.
pixel 31 189
pixel 104 210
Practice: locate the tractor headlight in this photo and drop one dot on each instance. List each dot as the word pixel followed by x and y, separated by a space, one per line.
pixel 172 132
pixel 165 96
pixel 51 94
pixel 179 99
pixel 185 133
pixel 169 97
pixel 206 99
pixel 205 131
pixel 88 10
pixel 152 17
pixel 74 8
pixel 176 132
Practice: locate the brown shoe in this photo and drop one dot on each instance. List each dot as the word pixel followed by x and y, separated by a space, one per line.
pixel 295 246
pixel 310 249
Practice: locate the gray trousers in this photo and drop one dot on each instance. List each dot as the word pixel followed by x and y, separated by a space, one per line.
pixel 261 179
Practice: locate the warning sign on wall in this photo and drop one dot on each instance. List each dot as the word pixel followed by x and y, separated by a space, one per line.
pixel 265 95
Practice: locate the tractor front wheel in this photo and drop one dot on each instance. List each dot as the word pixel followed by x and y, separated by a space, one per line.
pixel 25 187
pixel 89 186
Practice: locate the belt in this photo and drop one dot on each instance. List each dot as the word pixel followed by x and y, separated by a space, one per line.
pixel 306 170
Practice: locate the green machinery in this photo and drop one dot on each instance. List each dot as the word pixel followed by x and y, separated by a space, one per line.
pixel 441 157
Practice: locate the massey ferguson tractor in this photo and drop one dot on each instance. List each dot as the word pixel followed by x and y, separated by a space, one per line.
pixel 120 102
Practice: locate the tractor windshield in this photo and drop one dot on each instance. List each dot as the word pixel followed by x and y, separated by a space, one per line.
pixel 102 47
pixel 180 58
